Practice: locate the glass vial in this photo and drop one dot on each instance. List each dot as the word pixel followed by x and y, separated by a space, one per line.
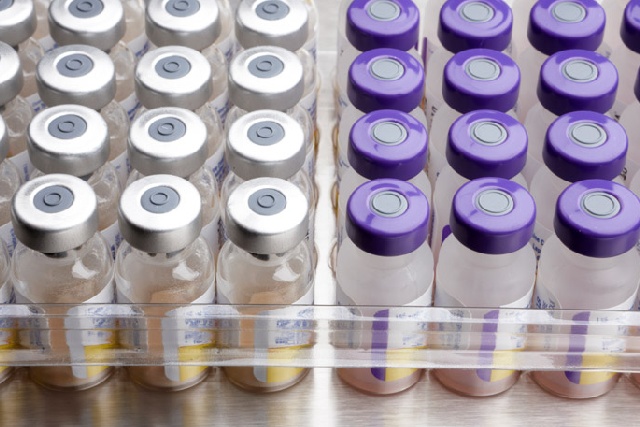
pixel 591 263
pixel 626 55
pixel 15 110
pixel 386 260
pixel 481 144
pixel 173 141
pixel 9 176
pixel 74 140
pixel 164 261
pixel 487 262
pixel 474 79
pixel 629 120
pixel 266 261
pixel 61 259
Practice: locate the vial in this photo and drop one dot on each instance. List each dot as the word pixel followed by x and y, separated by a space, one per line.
pixel 626 57
pixel 7 296
pixel 14 109
pixel 571 80
pixel 61 259
pixel 85 75
pixel 173 141
pixel 366 25
pixel 270 78
pixel 589 264
pixel 383 144
pixel 554 26
pixel 266 261
pixel 101 25
pixel 579 146
pixel 386 261
pixel 17 25
pixel 382 79
pixel 176 76
pixel 269 144
pixel 198 25
pixel 474 79
pixel 164 261
pixel 74 140
pixel 285 24
pixel 430 25
pixel 487 262
pixel 481 144
pixel 9 177
pixel 464 25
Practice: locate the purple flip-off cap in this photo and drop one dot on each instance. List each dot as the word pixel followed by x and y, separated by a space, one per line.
pixel 636 86
pixel 487 143
pixel 387 217
pixel 479 79
pixel 373 24
pixel 472 24
pixel 388 144
pixel 385 79
pixel 598 218
pixel 630 28
pixel 493 216
pixel 576 80
pixel 585 145
pixel 556 25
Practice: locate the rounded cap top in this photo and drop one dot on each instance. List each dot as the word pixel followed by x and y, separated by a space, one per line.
pixel 173 76
pixel 68 139
pixel 557 25
pixel 282 23
pixel 481 79
pixel 388 144
pixel 374 24
pixel 17 21
pixel 576 80
pixel 267 216
pixel 168 140
pixel 598 218
pixel 385 79
pixel 266 77
pixel 472 24
pixel 190 23
pixel 4 140
pixel 97 23
pixel 387 217
pixel 493 216
pixel 76 74
pixel 487 143
pixel 585 145
pixel 265 143
pixel 54 213
pixel 160 214
pixel 11 78
pixel 630 29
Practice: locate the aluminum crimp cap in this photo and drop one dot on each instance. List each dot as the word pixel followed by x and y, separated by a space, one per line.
pixel 282 23
pixel 69 139
pixel 190 23
pixel 76 74
pixel 266 77
pixel 4 140
pixel 265 143
pixel 54 213
pixel 160 214
pixel 11 78
pixel 17 21
pixel 169 140
pixel 173 76
pixel 267 216
pixel 97 23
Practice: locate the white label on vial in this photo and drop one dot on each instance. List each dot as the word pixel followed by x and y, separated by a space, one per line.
pixel 221 105
pixel 540 235
pixel 22 162
pixel 48 43
pixel 113 238
pixel 123 168
pixel 210 233
pixel 435 163
pixel 310 104
pixel 218 165
pixel 139 46
pixel 227 47
pixel 131 105
pixel 186 332
pixel 37 104
pixel 8 236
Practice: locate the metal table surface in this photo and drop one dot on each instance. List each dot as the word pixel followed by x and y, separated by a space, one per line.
pixel 321 399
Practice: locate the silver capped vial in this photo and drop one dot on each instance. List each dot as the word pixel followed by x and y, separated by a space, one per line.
pixel 9 177
pixel 15 111
pixel 74 140
pixel 17 21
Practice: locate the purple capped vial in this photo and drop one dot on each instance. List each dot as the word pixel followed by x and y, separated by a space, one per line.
pixel 385 261
pixel 626 56
pixel 487 262
pixel 579 146
pixel 590 264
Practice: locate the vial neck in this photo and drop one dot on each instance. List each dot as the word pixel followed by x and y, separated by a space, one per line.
pixel 587 262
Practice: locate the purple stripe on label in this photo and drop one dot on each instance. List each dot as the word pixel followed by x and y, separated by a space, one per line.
pixel 488 343
pixel 379 342
pixel 577 344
